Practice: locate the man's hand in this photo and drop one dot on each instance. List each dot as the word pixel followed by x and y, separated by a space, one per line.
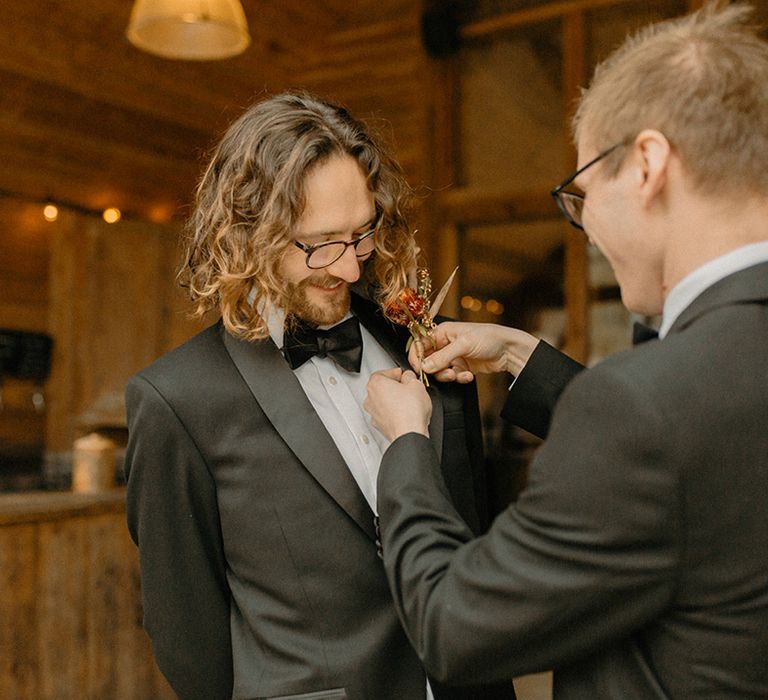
pixel 398 403
pixel 466 349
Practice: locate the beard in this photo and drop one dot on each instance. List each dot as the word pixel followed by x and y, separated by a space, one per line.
pixel 322 312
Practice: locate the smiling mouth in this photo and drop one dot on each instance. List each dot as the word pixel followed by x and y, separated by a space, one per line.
pixel 331 288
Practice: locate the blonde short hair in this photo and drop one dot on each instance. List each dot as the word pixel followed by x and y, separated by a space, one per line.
pixel 701 80
pixel 251 197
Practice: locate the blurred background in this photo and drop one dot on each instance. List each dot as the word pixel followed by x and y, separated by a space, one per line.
pixel 102 140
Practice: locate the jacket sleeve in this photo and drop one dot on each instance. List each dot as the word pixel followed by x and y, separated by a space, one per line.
pixel 173 518
pixel 535 391
pixel 586 555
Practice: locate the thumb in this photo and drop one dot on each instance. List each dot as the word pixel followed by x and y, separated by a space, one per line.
pixel 408 377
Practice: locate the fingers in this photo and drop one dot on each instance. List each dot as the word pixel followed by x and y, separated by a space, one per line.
pixel 465 377
pixel 397 374
pixel 445 363
pixel 442 335
pixel 455 374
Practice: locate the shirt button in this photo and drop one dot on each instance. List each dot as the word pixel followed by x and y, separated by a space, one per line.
pixel 365 439
pixel 332 381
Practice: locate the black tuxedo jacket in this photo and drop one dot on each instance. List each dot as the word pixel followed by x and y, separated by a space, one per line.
pixel 636 561
pixel 258 551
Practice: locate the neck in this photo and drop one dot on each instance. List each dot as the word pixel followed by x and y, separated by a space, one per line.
pixel 709 228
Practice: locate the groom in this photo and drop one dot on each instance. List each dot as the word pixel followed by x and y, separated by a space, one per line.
pixel 251 465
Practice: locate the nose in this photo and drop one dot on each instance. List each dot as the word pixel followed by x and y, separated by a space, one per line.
pixel 347 267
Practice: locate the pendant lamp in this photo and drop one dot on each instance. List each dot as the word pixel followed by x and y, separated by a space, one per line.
pixel 189 30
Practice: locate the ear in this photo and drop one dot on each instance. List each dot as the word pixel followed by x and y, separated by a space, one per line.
pixel 653 153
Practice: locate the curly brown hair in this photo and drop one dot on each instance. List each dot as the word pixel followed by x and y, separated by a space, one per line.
pixel 251 197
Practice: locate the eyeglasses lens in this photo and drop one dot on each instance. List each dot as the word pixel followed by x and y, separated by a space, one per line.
pixel 328 254
pixel 572 205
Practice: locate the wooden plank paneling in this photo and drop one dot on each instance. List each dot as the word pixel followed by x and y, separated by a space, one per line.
pixel 377 70
pixel 67 280
pixel 70 602
pixel 24 260
pixel 548 10
pixel 82 46
pixel 58 112
pixel 24 254
pixel 85 117
pixel 364 12
pixel 94 173
pixel 63 578
pixel 101 601
pixel 111 287
pixel 19 678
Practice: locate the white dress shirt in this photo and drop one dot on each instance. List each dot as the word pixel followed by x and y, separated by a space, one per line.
pixel 692 285
pixel 337 397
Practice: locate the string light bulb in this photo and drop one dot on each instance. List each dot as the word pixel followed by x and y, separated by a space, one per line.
pixel 494 307
pixel 471 303
pixel 50 212
pixel 111 215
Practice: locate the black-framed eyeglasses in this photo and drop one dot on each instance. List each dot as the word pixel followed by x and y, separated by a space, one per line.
pixel 321 255
pixel 571 204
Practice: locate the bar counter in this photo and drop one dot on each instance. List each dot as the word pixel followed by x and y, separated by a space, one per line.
pixel 70 601
pixel 40 506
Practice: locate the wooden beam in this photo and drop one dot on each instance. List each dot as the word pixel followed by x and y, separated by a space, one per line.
pixel 511 20
pixel 466 205
pixel 575 286
pixel 377 31
pixel 503 258
pixel 441 133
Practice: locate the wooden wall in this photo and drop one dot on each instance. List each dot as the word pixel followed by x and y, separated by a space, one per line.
pixel 114 307
pixel 106 294
pixel 24 258
pixel 24 254
pixel 379 71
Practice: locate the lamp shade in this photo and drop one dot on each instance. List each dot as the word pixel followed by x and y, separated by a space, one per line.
pixel 192 30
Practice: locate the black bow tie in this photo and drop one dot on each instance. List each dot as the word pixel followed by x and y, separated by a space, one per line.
pixel 343 344
pixel 641 333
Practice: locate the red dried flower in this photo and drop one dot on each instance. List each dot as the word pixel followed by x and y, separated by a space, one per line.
pixel 408 302
pixel 415 309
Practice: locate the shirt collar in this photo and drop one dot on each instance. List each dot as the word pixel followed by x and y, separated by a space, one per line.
pixel 693 284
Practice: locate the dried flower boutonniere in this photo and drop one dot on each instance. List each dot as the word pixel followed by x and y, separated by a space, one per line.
pixel 414 309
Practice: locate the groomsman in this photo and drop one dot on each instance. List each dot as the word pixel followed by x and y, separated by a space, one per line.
pixel 636 561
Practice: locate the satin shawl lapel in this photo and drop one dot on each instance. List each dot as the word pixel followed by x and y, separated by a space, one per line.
pixel 747 286
pixel 279 393
pixel 393 339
